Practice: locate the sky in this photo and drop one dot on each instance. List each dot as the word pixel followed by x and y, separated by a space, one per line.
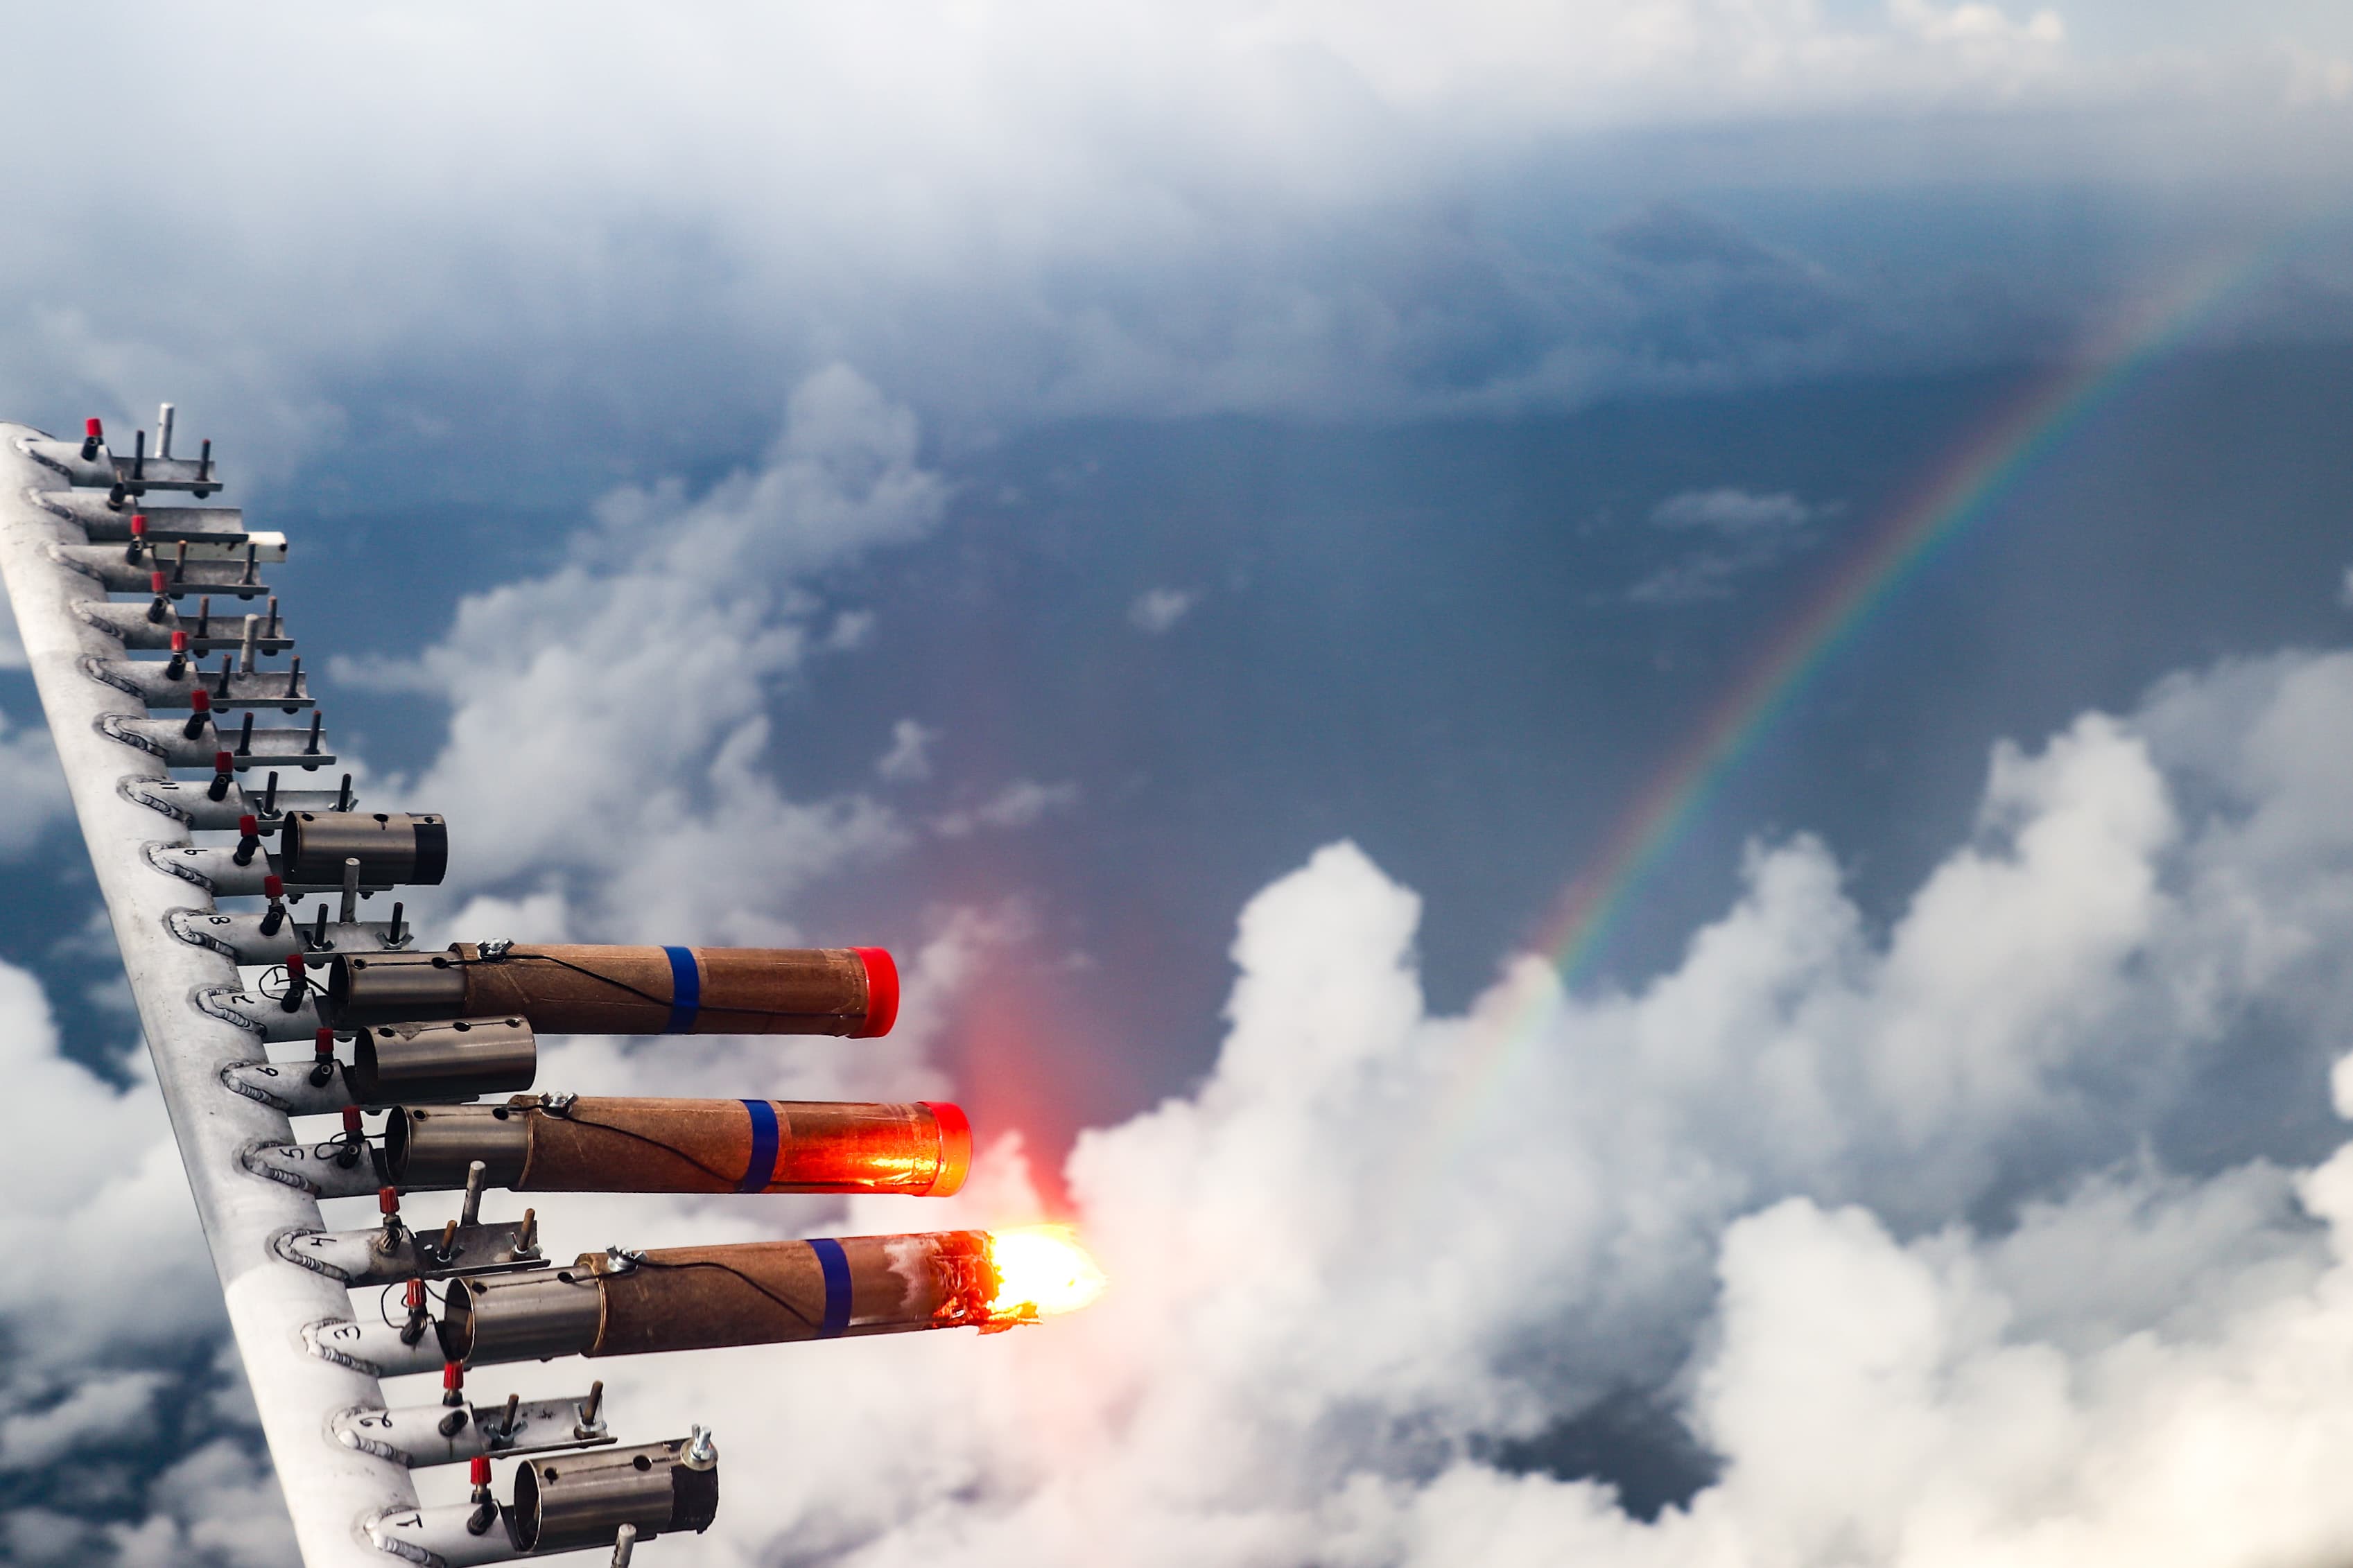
pixel 1210 531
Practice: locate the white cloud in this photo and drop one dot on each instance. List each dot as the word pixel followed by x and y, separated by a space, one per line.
pixel 32 784
pixel 910 756
pixel 1749 531
pixel 1157 610
pixel 1977 26
pixel 219 1505
pixel 112 1293
pixel 1732 512
pixel 1018 804
pixel 608 722
pixel 1375 1240
pixel 108 1406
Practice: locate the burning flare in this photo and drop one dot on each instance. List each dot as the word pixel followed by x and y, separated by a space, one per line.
pixel 1041 1270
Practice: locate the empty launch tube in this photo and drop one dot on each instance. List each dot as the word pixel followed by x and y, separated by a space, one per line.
pixel 588 1145
pixel 393 849
pixel 566 1501
pixel 453 1058
pixel 696 1298
pixel 563 990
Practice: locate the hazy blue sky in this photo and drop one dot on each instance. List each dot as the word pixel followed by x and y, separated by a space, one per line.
pixel 1191 524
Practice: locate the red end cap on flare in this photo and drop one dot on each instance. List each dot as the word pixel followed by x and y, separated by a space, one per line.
pixel 179 642
pixel 93 430
pixel 956 1149
pixel 481 1470
pixel 273 887
pixel 882 994
pixel 157 582
pixel 138 519
pixel 223 762
pixel 249 827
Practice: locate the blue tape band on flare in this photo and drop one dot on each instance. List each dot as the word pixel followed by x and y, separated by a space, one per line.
pixel 762 1170
pixel 836 1265
pixel 685 990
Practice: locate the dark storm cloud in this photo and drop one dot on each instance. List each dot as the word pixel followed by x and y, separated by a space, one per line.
pixel 446 243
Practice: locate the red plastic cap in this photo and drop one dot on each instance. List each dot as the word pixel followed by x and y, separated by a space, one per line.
pixel 481 1469
pixel 179 642
pixel 882 994
pixel 249 826
pixel 387 1201
pixel 323 1042
pixel 415 1295
pixel 223 762
pixel 955 1147
pixel 157 582
pixel 351 1118
pixel 273 887
pixel 201 700
pixel 138 523
pixel 293 966
pixel 452 1374
pixel 93 429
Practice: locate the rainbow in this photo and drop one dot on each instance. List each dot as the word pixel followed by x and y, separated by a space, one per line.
pixel 1963 488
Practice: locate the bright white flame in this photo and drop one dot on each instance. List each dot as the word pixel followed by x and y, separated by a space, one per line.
pixel 1041 1270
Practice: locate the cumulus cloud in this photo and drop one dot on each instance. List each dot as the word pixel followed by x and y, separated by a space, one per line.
pixel 607 721
pixel 1157 610
pixel 1934 1238
pixel 1888 1220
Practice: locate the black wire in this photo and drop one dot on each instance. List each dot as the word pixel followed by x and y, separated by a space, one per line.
pixel 729 1268
pixel 732 1182
pixel 441 1300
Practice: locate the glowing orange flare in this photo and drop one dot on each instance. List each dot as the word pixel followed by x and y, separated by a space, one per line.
pixel 1041 1270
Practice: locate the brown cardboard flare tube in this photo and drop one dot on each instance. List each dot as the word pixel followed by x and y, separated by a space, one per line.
pixel 583 990
pixel 547 1145
pixel 697 1298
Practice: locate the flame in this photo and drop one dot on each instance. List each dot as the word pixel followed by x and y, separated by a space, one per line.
pixel 1041 1270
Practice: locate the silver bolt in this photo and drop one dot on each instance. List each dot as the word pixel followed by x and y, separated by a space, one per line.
pixel 701 1452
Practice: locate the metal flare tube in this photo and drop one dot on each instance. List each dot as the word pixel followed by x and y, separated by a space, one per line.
pixel 696 1298
pixel 392 848
pixel 565 1502
pixel 579 990
pixel 454 1058
pixel 683 1146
